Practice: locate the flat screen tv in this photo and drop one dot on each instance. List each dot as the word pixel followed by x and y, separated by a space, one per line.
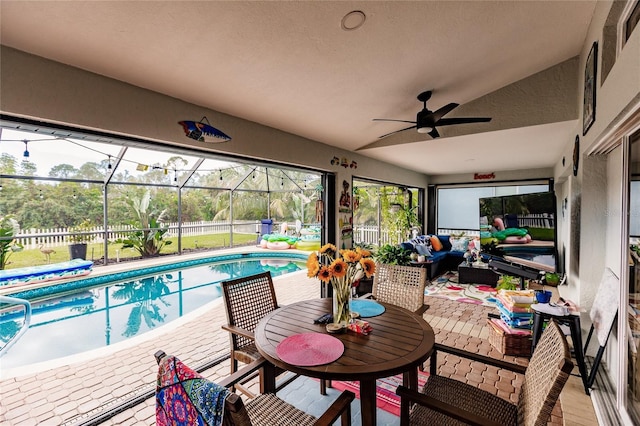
pixel 520 229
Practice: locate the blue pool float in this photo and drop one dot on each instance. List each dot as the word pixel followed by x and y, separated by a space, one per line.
pixel 40 273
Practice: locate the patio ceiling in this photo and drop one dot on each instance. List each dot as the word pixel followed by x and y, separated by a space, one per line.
pixel 291 66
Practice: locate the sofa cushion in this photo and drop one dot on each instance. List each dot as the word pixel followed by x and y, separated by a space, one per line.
pixel 438 255
pixel 444 240
pixel 407 246
pixel 455 253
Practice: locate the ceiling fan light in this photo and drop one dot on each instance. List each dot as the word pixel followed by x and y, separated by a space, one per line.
pixel 424 129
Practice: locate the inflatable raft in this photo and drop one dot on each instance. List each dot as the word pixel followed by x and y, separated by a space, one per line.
pixel 41 273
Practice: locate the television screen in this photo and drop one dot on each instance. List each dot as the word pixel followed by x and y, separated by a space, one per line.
pixel 521 229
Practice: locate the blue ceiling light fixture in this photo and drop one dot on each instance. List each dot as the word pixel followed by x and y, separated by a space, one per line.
pixel 26 149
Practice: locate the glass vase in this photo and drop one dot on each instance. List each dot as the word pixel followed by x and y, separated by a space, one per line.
pixel 341 304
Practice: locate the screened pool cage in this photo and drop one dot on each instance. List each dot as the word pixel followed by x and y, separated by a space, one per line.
pixel 118 196
pixel 385 213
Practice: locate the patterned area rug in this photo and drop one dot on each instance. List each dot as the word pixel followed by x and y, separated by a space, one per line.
pixel 446 286
pixel 386 398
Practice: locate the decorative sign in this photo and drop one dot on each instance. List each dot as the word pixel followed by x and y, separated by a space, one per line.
pixel 484 176
pixel 203 132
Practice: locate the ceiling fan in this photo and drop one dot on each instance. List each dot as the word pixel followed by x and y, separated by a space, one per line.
pixel 427 121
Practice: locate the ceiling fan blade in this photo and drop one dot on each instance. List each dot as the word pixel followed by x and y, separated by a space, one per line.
pixel 389 119
pixel 397 131
pixel 438 114
pixel 434 133
pixel 461 120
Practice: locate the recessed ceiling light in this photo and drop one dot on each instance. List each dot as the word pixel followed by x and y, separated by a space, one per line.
pixel 353 20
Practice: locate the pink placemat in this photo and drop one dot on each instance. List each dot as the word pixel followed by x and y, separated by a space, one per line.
pixel 309 349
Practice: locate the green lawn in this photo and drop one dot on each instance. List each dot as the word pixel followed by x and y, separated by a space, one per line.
pixel 95 251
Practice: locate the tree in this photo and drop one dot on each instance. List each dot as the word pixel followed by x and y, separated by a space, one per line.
pixel 27 168
pixel 63 171
pixel 92 171
pixel 8 164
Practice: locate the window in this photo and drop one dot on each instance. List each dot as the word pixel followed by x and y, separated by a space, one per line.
pixel 632 21
pixel 458 207
pixel 53 180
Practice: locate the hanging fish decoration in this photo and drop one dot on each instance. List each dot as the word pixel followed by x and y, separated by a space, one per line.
pixel 203 132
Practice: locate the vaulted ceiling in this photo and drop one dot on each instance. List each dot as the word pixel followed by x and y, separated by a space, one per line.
pixel 298 67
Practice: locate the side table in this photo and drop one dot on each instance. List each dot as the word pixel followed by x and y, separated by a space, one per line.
pixel 476 275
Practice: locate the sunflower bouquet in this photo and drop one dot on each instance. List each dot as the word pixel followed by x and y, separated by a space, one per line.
pixel 342 269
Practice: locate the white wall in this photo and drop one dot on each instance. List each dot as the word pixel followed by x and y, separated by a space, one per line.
pixel 598 186
pixel 591 233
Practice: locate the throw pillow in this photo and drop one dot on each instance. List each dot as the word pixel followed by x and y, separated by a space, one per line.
pixel 423 249
pixel 435 243
pixel 459 244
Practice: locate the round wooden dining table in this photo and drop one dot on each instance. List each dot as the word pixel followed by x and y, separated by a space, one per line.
pixel 400 341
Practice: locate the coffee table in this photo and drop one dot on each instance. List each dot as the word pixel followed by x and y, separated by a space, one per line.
pixel 476 275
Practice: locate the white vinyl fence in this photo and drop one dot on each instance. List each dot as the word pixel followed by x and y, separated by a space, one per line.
pixel 56 237
pixel 370 234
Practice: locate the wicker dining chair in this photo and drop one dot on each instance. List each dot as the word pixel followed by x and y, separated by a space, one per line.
pixel 248 300
pixel 446 401
pixel 400 285
pixel 183 396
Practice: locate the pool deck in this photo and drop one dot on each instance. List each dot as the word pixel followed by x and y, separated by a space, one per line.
pixel 72 390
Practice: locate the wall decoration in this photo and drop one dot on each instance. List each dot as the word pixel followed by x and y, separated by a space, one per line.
pixel 344 162
pixel 576 155
pixel 589 103
pixel 199 131
pixel 484 176
pixel 345 198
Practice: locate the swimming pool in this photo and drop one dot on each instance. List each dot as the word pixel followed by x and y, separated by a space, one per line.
pixel 91 315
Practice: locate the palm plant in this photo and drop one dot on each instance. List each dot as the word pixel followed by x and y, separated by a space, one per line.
pixel 149 239
pixel 9 229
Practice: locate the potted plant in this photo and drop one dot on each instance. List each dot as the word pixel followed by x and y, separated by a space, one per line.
pixel 508 282
pixel 393 255
pixel 79 239
pixel 552 279
pixel 409 221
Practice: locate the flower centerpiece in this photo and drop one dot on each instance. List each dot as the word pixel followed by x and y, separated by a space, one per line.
pixel 342 269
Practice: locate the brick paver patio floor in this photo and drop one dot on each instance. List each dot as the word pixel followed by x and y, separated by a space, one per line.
pixel 90 384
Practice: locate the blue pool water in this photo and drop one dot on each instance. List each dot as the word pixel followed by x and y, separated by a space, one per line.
pixel 94 317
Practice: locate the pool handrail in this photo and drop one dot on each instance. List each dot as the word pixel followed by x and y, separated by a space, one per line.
pixel 25 324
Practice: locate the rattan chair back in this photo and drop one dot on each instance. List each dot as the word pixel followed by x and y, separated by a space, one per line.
pixel 400 285
pixel 247 300
pixel 546 375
